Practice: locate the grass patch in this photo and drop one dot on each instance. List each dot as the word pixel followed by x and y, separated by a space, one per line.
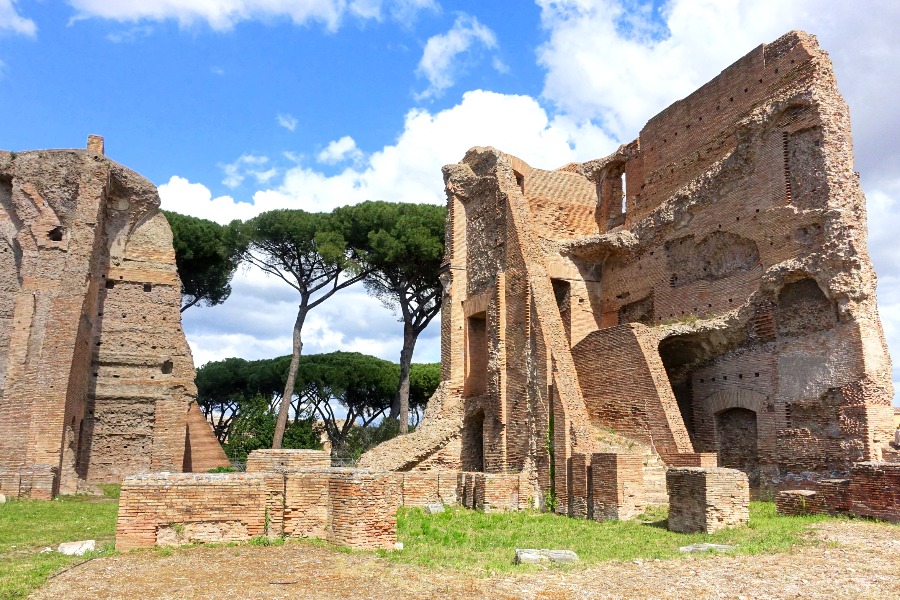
pixel 28 526
pixel 484 544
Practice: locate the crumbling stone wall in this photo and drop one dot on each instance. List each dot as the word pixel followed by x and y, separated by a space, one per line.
pixel 96 377
pixel 704 289
pixel 873 491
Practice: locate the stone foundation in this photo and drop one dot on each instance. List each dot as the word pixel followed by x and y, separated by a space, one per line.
pixel 707 500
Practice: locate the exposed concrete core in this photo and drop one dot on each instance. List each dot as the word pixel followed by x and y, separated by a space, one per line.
pixel 704 289
pixel 96 377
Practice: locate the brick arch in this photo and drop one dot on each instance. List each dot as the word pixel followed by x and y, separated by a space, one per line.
pixel 736 398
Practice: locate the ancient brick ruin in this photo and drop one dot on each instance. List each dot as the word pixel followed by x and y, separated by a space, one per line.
pixel 703 297
pixel 96 378
pixel 687 320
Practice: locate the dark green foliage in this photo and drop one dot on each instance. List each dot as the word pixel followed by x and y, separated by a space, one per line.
pixel 402 246
pixel 254 426
pixel 341 391
pixel 317 254
pixel 206 255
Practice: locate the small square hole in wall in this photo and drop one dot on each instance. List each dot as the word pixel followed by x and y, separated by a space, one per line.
pixel 166 367
pixel 148 287
pixel 110 284
pixel 55 234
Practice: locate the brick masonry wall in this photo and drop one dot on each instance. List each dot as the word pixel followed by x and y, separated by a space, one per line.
pixel 707 500
pixel 363 509
pixel 33 483
pixel 873 491
pixel 617 486
pixel 286 460
pixel 167 505
pixel 96 376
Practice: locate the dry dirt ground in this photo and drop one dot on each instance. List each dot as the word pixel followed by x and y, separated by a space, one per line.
pixel 849 560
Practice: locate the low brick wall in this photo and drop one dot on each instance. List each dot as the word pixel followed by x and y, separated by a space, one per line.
pixel 491 492
pixel 33 483
pixel 707 500
pixel 306 503
pixel 798 502
pixel 580 493
pixel 286 460
pixel 617 486
pixel 363 508
pixel 872 491
pixel 707 460
pixel 421 488
pixel 174 508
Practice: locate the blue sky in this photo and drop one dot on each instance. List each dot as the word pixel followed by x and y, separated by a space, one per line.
pixel 237 106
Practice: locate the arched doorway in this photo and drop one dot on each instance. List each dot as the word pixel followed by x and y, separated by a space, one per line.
pixel 736 440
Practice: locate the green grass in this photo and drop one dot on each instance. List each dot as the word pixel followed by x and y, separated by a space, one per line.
pixel 484 544
pixel 28 526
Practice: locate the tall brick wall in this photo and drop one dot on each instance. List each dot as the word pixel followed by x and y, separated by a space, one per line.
pixel 95 374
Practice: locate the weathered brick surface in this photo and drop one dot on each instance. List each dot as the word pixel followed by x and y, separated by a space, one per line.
pixel 35 482
pixel 97 377
pixel 617 486
pixel 705 291
pixel 364 509
pixel 286 460
pixel 707 500
pixel 223 507
pixel 874 490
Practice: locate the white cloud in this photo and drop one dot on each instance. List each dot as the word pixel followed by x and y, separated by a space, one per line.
pixel 288 121
pixel 248 165
pixel 10 20
pixel 217 71
pixel 441 63
pixel 225 14
pixel 339 151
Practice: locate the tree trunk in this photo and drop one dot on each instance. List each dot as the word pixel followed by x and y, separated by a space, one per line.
pixel 285 407
pixel 401 400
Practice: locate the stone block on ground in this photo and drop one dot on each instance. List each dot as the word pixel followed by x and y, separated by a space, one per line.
pixel 707 500
pixel 76 548
pixel 529 556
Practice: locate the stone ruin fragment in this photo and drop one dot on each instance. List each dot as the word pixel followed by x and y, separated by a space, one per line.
pixel 96 377
pixel 703 297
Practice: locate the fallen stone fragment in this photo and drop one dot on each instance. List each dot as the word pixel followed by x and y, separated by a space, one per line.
pixel 433 509
pixel 398 546
pixel 2 499
pixel 530 556
pixel 76 548
pixel 705 547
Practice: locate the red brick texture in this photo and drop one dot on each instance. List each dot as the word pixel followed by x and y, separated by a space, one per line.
pixel 707 500
pixel 97 375
pixel 872 491
pixel 286 460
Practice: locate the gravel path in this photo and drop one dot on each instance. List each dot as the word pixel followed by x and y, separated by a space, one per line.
pixel 852 560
